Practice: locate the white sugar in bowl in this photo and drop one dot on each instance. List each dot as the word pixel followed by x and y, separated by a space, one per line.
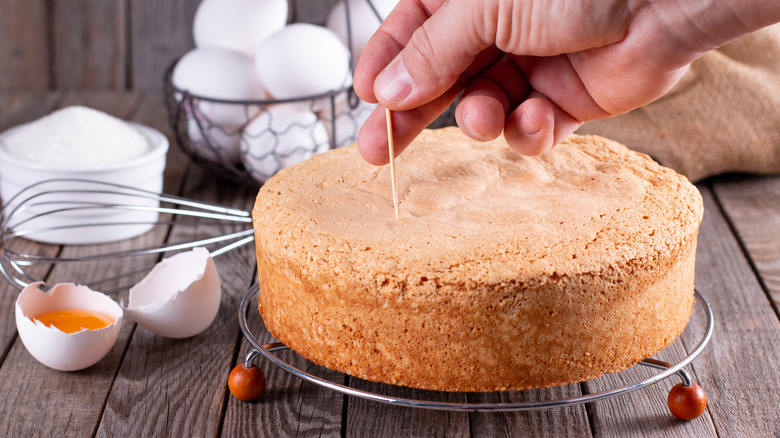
pixel 49 160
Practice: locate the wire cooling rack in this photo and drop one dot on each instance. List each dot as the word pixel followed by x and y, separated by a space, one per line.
pixel 661 369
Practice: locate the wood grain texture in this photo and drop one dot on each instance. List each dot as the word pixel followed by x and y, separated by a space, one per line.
pixel 88 44
pixel 739 369
pixel 160 32
pixel 8 295
pixel 644 413
pixel 557 422
pixel 752 205
pixel 179 386
pixel 289 407
pixel 368 418
pixel 24 45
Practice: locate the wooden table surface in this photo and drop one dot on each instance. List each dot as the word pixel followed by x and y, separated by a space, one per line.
pixel 153 386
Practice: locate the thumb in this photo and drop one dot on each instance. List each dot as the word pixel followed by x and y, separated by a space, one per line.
pixel 435 57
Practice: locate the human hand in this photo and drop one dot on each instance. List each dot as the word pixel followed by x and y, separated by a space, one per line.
pixel 534 70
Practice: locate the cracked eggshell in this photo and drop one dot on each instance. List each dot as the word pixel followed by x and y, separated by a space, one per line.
pixel 179 298
pixel 54 347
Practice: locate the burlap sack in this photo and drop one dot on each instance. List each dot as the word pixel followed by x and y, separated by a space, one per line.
pixel 723 116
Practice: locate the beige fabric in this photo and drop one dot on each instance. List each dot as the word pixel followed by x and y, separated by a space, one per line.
pixel 723 116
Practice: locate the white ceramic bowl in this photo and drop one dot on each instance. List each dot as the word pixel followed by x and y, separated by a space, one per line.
pixel 89 223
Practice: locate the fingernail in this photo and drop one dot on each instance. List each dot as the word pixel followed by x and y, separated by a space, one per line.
pixel 469 128
pixel 394 82
pixel 529 126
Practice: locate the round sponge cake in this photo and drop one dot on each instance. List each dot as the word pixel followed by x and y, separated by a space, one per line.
pixel 502 272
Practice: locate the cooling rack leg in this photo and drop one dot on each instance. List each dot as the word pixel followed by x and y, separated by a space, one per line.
pixel 687 400
pixel 250 358
pixel 247 381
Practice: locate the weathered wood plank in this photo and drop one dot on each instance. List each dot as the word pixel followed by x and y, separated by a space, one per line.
pixel 740 369
pixel 159 33
pixel 179 386
pixel 369 418
pixel 289 407
pixel 752 204
pixel 24 45
pixel 557 422
pixel 643 413
pixel 88 44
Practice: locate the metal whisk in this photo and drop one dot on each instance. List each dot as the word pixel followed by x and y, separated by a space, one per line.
pixel 108 217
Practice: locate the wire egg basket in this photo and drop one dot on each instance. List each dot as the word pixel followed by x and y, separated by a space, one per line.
pixel 258 142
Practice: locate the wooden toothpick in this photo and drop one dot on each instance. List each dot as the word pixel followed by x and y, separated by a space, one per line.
pixel 391 150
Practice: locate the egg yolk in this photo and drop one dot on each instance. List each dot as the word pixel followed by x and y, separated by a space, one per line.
pixel 75 320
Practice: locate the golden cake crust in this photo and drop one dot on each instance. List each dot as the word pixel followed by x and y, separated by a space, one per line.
pixel 503 271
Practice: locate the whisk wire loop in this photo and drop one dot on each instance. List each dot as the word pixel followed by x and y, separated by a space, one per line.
pixel 66 211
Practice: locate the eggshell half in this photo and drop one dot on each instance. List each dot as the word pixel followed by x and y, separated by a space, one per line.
pixel 55 348
pixel 179 298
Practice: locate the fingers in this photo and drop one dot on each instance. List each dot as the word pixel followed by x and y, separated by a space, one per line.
pixel 533 128
pixel 556 78
pixel 387 42
pixel 430 62
pixel 372 138
pixel 537 125
pixel 488 99
pixel 482 110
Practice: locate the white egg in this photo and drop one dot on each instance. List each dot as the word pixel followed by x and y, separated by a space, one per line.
pixel 363 22
pixel 347 121
pixel 179 298
pixel 213 142
pixel 59 349
pixel 237 24
pixel 224 74
pixel 280 136
pixel 302 60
